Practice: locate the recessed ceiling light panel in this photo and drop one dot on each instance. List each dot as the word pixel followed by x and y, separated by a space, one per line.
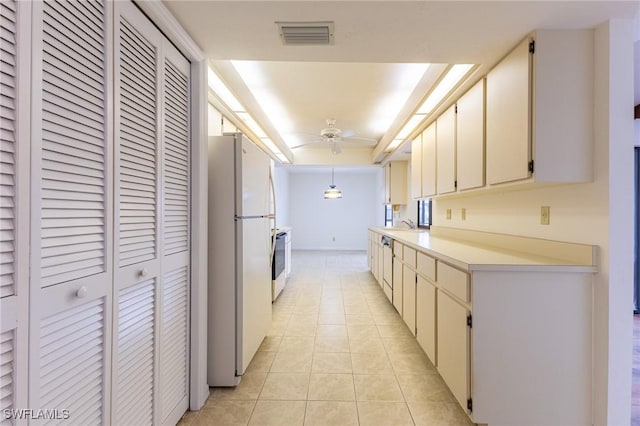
pixel 306 33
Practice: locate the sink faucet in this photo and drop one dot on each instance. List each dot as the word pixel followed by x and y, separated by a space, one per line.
pixel 409 223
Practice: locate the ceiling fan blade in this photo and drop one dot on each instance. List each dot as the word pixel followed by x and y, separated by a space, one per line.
pixel 367 141
pixel 310 142
pixel 348 133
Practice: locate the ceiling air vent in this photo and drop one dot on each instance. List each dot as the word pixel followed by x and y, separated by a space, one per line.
pixel 306 33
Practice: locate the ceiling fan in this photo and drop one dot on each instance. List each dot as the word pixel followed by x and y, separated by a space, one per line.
pixel 332 136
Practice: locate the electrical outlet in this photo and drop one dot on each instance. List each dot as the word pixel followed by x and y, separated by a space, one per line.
pixel 545 215
pixel 463 214
pixel 448 214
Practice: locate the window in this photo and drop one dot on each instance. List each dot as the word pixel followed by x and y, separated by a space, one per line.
pixel 388 215
pixel 424 213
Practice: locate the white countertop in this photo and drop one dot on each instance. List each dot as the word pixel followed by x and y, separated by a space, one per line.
pixel 473 256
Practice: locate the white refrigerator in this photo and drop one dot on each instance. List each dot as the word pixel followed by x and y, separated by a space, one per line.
pixel 239 255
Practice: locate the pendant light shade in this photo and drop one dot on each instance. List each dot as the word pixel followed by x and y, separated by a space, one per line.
pixel 332 193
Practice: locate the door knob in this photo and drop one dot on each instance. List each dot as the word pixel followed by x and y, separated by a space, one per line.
pixel 82 292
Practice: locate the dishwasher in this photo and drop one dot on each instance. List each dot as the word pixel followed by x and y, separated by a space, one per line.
pixel 387 267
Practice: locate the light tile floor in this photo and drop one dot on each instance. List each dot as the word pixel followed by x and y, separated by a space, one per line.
pixel 337 353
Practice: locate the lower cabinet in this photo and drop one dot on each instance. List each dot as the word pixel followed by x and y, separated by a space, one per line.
pixel 409 297
pixel 426 317
pixel 387 272
pixel 453 346
pixel 397 285
pixel 380 263
pixel 472 323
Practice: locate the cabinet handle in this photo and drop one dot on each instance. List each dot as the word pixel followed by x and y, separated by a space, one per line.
pixel 82 292
pixel 143 272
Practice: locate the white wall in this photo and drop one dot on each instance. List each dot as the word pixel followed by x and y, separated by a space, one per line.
pixel 598 213
pixel 281 183
pixel 316 222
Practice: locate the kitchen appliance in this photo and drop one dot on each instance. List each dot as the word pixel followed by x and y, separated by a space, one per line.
pixel 278 275
pixel 239 255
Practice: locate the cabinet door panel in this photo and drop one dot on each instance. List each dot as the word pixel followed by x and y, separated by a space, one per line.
pixel 426 317
pixel 509 117
pixel 429 161
pixel 397 285
pixel 453 347
pixel 446 151
pixel 416 167
pixel 470 138
pixel 409 298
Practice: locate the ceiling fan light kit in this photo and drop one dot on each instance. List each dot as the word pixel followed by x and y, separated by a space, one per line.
pixel 332 193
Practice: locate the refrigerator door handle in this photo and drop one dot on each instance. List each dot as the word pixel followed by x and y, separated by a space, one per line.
pixel 273 228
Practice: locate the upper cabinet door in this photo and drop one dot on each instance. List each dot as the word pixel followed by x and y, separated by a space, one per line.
pixel 429 161
pixel 470 138
pixel 446 151
pixel 509 117
pixel 416 167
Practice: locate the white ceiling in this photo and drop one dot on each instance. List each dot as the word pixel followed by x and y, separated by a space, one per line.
pixel 353 79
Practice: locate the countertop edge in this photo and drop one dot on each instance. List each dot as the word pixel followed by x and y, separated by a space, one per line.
pixel 452 260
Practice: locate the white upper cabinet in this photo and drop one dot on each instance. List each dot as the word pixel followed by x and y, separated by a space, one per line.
pixel 416 167
pixel 446 151
pixel 470 138
pixel 429 161
pixel 539 110
pixel 395 182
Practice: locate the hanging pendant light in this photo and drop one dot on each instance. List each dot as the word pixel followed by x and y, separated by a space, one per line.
pixel 332 193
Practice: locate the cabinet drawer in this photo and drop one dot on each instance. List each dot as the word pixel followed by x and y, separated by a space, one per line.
pixel 427 266
pixel 397 249
pixel 409 256
pixel 454 280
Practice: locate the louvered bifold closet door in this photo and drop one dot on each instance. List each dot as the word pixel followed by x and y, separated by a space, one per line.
pixel 138 93
pixel 14 205
pixel 71 272
pixel 174 337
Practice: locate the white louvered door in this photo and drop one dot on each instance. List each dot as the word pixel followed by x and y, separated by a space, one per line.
pixel 137 223
pixel 71 190
pixel 94 214
pixel 151 227
pixel 14 206
pixel 174 336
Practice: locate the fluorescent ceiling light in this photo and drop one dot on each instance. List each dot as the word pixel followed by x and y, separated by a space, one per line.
pixel 410 126
pixel 405 79
pixel 253 76
pixel 393 145
pixel 443 88
pixel 251 124
pixel 269 143
pixel 223 92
